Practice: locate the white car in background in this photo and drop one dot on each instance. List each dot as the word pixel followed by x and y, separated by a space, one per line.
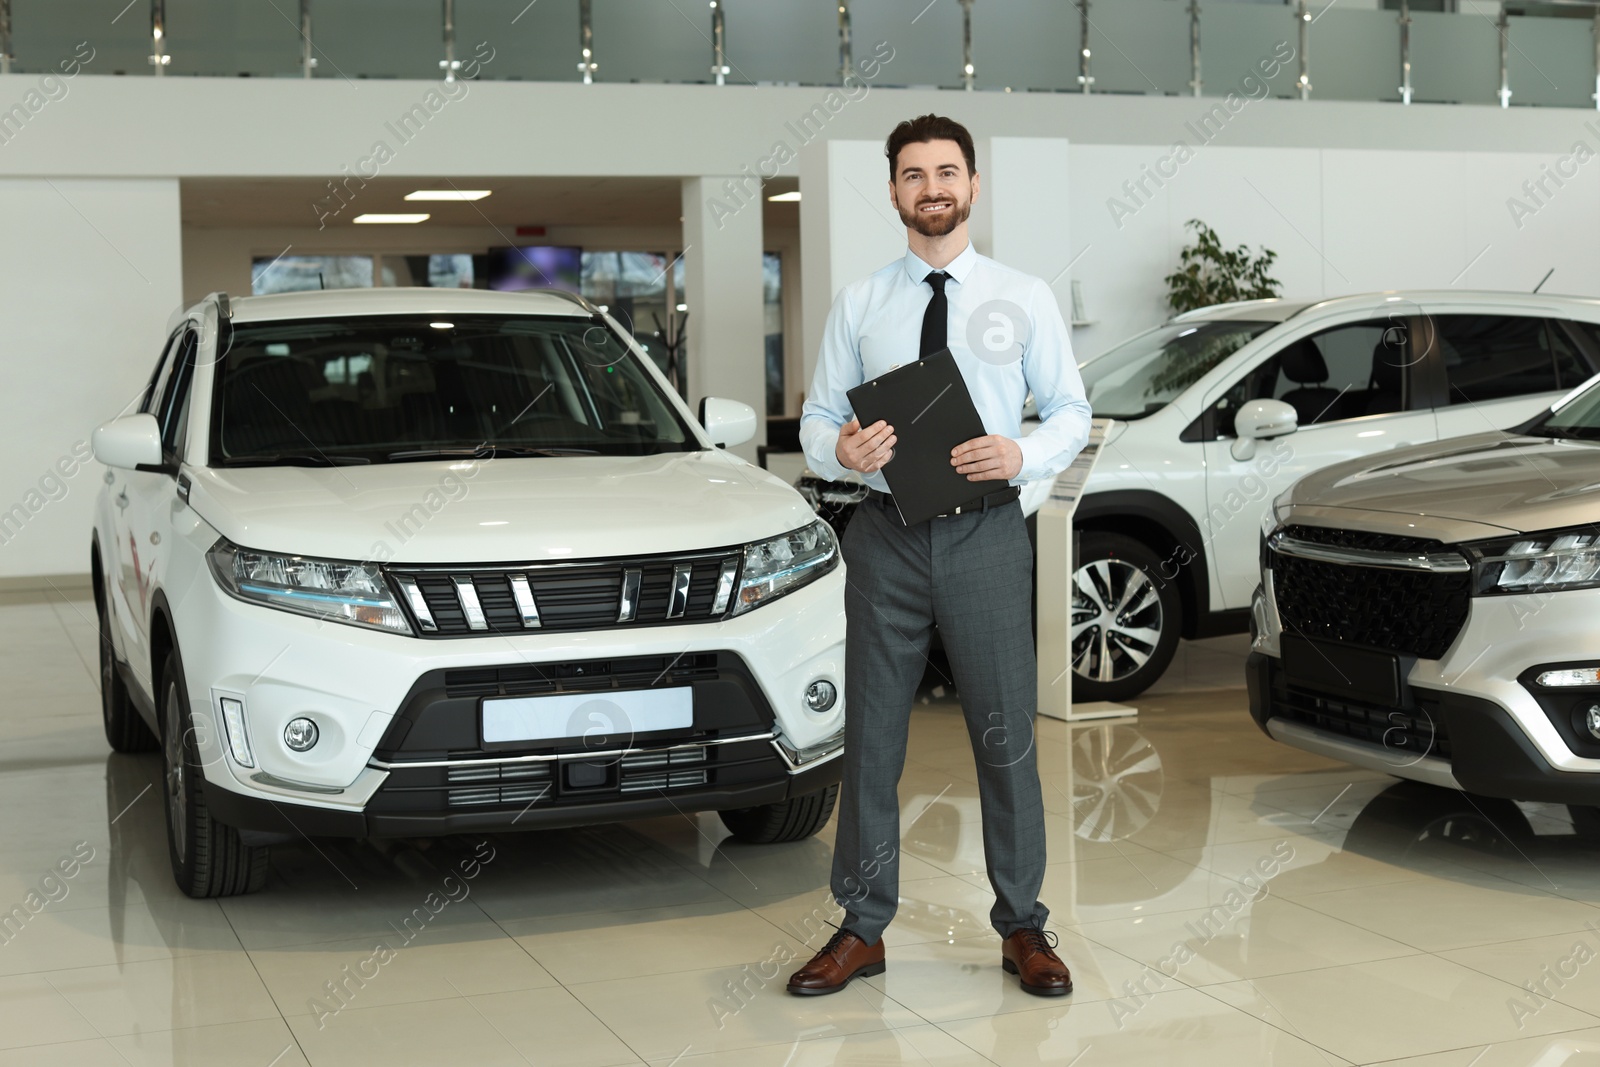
pixel 1218 410
pixel 407 562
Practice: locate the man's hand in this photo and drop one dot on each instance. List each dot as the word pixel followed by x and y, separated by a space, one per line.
pixel 865 450
pixel 991 458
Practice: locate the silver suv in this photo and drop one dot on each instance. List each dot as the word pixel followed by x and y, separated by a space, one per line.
pixel 1433 613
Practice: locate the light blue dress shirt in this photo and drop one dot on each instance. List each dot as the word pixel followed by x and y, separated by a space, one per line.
pixel 875 325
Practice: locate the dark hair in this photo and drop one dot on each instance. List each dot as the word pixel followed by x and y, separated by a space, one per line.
pixel 925 128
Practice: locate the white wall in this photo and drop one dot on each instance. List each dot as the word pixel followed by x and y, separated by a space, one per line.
pixel 1341 220
pixel 90 273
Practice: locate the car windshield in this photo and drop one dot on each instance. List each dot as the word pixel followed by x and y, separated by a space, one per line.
pixel 396 388
pixel 1578 418
pixel 1141 376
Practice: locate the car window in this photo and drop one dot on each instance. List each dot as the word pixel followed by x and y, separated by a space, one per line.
pixel 1145 373
pixel 391 388
pixel 173 408
pixel 1340 373
pixel 1494 357
pixel 158 378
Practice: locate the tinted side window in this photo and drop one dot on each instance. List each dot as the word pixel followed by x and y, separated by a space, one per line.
pixel 1341 373
pixel 1493 357
pixel 173 407
pixel 158 380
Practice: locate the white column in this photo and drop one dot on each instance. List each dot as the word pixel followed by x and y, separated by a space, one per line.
pixel 722 286
pixel 94 272
pixel 1022 209
pixel 848 229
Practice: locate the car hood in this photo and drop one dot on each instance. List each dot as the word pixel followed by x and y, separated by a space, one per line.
pixel 499 510
pixel 1497 481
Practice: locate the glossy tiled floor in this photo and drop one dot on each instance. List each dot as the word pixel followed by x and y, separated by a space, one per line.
pixel 1221 899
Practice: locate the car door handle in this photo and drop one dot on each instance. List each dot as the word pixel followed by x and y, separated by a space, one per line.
pixel 122 499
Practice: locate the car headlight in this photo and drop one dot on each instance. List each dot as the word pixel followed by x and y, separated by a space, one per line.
pixel 335 590
pixel 1544 562
pixel 775 567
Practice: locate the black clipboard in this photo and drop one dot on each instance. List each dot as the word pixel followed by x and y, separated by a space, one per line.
pixel 928 405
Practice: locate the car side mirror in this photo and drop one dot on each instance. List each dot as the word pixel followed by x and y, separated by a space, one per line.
pixel 1258 420
pixel 727 422
pixel 132 442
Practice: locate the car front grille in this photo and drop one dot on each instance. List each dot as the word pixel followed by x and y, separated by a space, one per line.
pixel 650 591
pixel 1409 733
pixel 1414 613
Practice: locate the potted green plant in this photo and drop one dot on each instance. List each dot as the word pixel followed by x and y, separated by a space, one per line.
pixel 1210 274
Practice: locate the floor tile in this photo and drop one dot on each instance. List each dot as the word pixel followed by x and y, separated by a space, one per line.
pixel 33 1012
pixel 543 1026
pixel 1439 913
pixel 727 1008
pixel 964 980
pixel 170 994
pixel 438 962
pixel 266 1043
pixel 1184 1026
pixel 1239 939
pixel 1405 1007
pixel 923 1045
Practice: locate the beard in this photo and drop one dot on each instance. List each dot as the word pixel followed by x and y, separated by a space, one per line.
pixel 936 225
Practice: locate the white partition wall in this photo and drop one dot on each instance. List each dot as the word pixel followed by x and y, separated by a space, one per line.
pixel 90 273
pixel 722 283
pixel 848 228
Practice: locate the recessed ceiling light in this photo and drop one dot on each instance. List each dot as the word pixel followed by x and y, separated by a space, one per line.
pixel 372 218
pixel 785 198
pixel 448 194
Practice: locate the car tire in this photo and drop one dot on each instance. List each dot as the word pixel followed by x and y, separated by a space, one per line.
pixel 794 819
pixel 209 859
pixel 1115 655
pixel 126 730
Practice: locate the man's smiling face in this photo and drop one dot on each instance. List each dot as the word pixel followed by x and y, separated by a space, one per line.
pixel 932 189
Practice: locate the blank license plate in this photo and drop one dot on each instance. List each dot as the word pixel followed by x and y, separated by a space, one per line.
pixel 1342 671
pixel 602 719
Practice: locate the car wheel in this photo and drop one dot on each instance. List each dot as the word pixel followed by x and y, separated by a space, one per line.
pixel 208 857
pixel 1125 620
pixel 126 731
pixel 791 820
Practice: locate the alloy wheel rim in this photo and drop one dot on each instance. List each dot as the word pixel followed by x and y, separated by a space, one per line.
pixel 1116 620
pixel 177 798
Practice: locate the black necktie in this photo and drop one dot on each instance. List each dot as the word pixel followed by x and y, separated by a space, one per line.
pixel 935 320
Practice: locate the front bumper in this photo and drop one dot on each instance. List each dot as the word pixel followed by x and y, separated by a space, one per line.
pixel 401 750
pixel 1476 744
pixel 1472 719
pixel 264 815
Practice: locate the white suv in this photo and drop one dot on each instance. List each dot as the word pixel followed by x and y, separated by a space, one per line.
pixel 415 562
pixel 1219 410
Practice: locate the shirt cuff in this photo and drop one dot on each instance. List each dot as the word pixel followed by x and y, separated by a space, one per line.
pixel 1034 465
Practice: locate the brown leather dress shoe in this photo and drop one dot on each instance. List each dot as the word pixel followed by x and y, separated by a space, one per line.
pixel 1030 955
pixel 844 957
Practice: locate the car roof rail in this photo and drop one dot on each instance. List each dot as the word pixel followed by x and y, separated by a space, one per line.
pixel 567 294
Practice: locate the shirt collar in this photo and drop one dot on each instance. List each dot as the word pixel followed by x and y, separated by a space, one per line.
pixel 959 268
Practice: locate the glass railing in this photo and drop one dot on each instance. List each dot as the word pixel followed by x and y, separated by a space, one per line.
pixel 1142 47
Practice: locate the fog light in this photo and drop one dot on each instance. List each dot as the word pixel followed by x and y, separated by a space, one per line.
pixel 1570 676
pixel 300 734
pixel 821 694
pixel 1591 719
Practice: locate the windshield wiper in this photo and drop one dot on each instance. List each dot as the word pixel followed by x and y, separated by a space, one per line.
pixel 296 459
pixel 486 452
